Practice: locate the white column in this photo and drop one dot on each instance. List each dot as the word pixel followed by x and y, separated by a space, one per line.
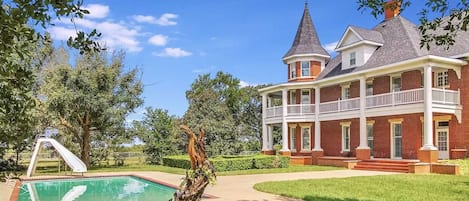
pixel 317 123
pixel 264 125
pixel 363 137
pixel 284 121
pixel 428 114
pixel 270 134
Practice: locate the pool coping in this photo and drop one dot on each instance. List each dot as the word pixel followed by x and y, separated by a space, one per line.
pixel 16 189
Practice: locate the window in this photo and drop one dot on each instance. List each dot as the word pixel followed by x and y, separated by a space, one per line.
pixel 305 97
pixel 353 59
pixel 442 79
pixel 369 88
pixel 293 97
pixel 345 92
pixel 292 138
pixel 396 84
pixel 306 141
pixel 397 140
pixel 369 134
pixel 345 137
pixel 292 70
pixel 305 71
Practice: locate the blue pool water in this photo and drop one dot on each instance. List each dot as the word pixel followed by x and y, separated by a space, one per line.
pixel 95 189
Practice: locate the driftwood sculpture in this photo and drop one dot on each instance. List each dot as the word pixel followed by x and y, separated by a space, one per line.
pixel 202 172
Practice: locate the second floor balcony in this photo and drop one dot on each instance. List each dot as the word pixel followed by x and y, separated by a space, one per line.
pixel 440 98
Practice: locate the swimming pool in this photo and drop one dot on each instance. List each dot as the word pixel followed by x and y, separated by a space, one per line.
pixel 95 189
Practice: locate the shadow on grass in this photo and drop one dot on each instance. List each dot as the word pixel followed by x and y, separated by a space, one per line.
pixel 317 198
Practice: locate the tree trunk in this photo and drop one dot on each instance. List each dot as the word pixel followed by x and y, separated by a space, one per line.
pixel 85 146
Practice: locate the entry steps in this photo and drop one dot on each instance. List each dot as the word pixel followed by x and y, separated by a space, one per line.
pixel 385 165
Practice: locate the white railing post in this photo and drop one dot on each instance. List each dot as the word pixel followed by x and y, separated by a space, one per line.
pixel 458 96
pixel 338 105
pixel 444 96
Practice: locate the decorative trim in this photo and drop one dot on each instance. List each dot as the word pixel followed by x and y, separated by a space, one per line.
pixel 345 123
pixel 306 125
pixel 442 118
pixel 370 122
pixel 292 125
pixel 396 120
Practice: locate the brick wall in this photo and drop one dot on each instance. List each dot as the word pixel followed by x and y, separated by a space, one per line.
pixel 330 93
pixel 355 89
pixel 411 80
pixel 381 85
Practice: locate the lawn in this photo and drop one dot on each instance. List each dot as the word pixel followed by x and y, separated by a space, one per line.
pixel 408 187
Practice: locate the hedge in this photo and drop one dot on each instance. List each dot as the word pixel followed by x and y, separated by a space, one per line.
pixel 230 163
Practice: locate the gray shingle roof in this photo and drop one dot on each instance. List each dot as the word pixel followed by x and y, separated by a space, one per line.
pixel 370 35
pixel 306 39
pixel 401 42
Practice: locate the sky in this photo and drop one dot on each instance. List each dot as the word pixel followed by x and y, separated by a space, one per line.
pixel 172 42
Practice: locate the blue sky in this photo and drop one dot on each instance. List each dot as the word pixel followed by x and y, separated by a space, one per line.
pixel 174 41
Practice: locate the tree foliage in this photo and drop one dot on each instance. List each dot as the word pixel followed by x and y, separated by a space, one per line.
pixel 451 17
pixel 157 131
pixel 229 114
pixel 91 100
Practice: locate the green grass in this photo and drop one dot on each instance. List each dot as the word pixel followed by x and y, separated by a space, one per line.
pixel 392 187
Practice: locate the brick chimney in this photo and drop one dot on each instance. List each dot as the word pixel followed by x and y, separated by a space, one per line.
pixel 392 9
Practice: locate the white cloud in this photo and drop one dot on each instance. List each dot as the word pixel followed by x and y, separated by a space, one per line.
pixel 158 40
pixel 243 84
pixel 97 10
pixel 331 46
pixel 61 33
pixel 172 52
pixel 166 19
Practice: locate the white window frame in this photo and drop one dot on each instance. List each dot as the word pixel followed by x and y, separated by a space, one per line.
pixel 372 138
pixel 293 138
pixel 293 97
pixel 345 92
pixel 353 59
pixel 309 97
pixel 441 79
pixel 392 83
pixel 368 92
pixel 302 138
pixel 346 127
pixel 392 123
pixel 303 74
pixel 293 70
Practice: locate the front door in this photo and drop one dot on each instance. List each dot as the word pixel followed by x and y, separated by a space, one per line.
pixel 396 141
pixel 442 143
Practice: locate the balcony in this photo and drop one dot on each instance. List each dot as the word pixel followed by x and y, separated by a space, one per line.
pixel 441 97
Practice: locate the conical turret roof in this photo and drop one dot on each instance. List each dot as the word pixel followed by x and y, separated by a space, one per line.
pixel 306 39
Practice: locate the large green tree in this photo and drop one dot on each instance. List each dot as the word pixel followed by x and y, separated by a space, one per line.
pixel 452 16
pixel 229 114
pixel 22 25
pixel 92 98
pixel 158 131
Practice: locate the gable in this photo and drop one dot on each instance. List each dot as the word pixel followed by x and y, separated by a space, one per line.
pixel 348 38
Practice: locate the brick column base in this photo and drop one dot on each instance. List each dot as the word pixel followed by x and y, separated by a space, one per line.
pixel 362 153
pixel 316 154
pixel 285 153
pixel 428 156
pixel 268 152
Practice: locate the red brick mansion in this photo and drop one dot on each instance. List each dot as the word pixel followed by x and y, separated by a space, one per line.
pixel 382 96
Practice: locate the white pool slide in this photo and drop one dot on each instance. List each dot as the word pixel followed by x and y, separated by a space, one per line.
pixel 72 161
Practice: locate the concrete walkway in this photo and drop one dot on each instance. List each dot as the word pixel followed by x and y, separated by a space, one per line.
pixel 233 188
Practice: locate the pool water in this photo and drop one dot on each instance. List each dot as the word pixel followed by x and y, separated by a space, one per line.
pixel 95 189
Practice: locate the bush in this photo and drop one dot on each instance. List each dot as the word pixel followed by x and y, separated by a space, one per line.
pixel 230 163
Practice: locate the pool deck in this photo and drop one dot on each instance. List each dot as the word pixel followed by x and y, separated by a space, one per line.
pixel 227 188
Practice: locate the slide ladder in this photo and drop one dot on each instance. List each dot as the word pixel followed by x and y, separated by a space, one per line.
pixel 72 161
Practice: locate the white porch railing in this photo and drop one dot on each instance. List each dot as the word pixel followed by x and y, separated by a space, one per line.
pixel 300 109
pixel 276 111
pixel 395 98
pixel 340 105
pixel 440 96
pixel 445 96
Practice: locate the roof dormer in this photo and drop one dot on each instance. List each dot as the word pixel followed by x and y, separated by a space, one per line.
pixel 357 45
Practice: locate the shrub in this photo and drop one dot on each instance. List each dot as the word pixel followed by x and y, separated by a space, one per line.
pixel 230 163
